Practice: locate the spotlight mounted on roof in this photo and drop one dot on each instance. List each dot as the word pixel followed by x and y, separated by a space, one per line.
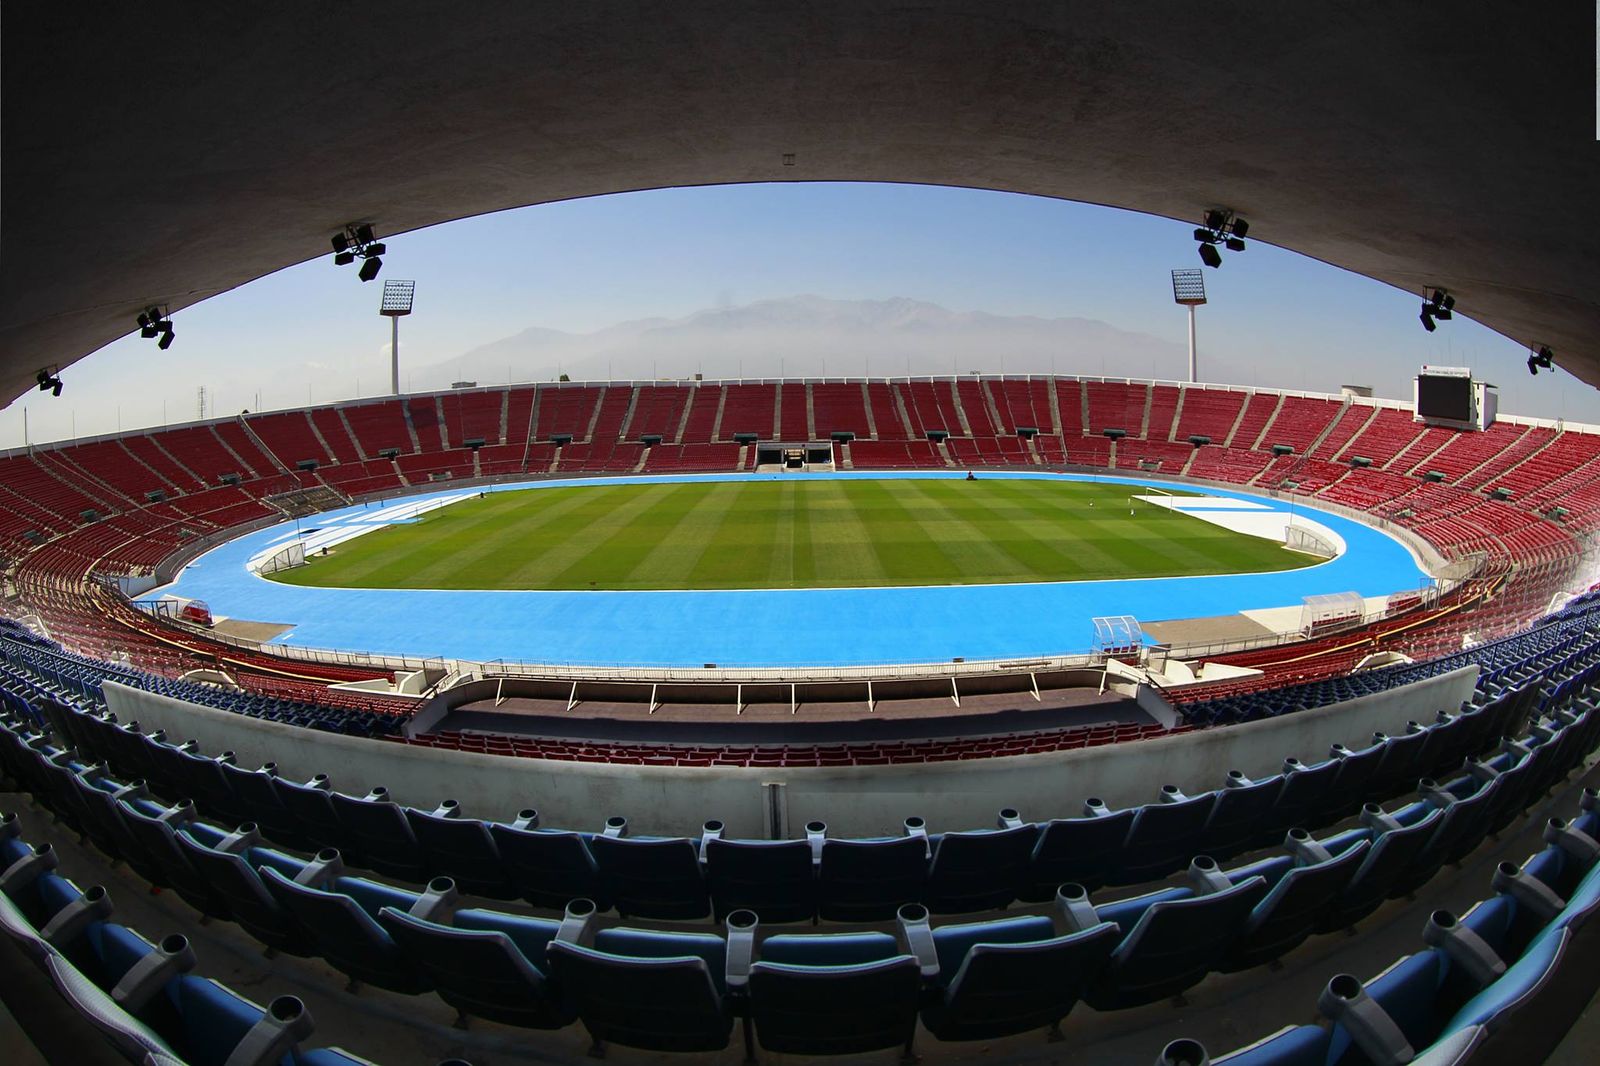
pixel 1436 308
pixel 153 323
pixel 1544 358
pixel 358 241
pixel 1219 227
pixel 49 380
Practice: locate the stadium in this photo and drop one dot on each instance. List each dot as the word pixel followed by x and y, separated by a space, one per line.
pixel 1001 716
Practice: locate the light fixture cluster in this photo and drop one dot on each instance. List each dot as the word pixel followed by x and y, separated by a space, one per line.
pixel 1438 308
pixel 152 323
pixel 1544 359
pixel 358 241
pixel 48 382
pixel 1220 229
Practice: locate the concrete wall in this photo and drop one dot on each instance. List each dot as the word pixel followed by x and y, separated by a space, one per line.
pixel 854 801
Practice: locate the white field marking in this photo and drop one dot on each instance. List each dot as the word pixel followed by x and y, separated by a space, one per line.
pixel 1203 503
pixel 338 530
pixel 1264 522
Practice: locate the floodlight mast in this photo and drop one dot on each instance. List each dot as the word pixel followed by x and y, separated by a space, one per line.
pixel 397 299
pixel 1189 289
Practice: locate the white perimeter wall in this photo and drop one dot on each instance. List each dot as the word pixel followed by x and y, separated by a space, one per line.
pixel 854 801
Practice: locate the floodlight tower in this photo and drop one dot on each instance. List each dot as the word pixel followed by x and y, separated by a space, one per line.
pixel 397 297
pixel 1189 289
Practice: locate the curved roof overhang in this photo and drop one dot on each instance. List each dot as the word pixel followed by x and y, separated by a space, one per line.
pixel 167 153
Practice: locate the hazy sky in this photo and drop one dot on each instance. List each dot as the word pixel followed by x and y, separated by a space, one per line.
pixel 311 333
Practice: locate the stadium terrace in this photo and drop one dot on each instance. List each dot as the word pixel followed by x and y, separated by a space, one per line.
pixel 819 858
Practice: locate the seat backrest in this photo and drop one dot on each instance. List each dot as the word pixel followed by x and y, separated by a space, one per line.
pixel 632 943
pixel 1303 800
pixel 375 833
pixel 259 803
pixel 1162 838
pixel 1081 850
pixel 478 971
pixel 1352 786
pixel 549 868
pixel 775 879
pixel 1005 988
pixel 311 808
pixel 979 869
pixel 1289 911
pixel 835 1010
pixel 1173 943
pixel 1399 768
pixel 952 942
pixel 1238 819
pixel 652 877
pixel 132 1039
pixel 658 1004
pixel 337 920
pixel 828 949
pixel 460 848
pixel 1534 1004
pixel 868 880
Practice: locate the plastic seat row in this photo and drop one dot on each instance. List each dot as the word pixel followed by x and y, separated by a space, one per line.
pixel 810 994
pixel 1502 983
pixel 967 981
pixel 1521 657
pixel 82 676
pixel 793 880
pixel 140 996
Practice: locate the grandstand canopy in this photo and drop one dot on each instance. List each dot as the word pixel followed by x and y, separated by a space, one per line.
pixel 162 157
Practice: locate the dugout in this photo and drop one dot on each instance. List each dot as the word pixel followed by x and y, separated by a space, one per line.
pixel 794 456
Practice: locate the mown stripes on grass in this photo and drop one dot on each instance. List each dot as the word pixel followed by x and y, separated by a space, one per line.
pixel 791 534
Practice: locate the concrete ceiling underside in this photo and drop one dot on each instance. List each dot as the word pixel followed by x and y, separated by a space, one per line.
pixel 164 153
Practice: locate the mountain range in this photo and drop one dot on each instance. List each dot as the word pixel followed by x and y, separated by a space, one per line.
pixel 811 336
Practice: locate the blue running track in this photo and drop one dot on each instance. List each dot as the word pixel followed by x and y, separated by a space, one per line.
pixel 783 627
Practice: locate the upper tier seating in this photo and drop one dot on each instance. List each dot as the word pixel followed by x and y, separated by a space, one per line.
pixel 840 407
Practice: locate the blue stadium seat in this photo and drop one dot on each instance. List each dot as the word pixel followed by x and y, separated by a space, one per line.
pixel 773 878
pixel 342 919
pixel 1009 976
pixel 484 964
pixel 547 867
pixel 651 877
pixel 650 990
pixel 834 995
pixel 158 857
pixel 309 805
pixel 203 780
pixel 1300 889
pixel 1174 938
pixel 1077 851
pixel 374 833
pixel 1304 799
pixel 461 849
pixel 978 870
pixel 259 803
pixel 868 880
pixel 233 875
pixel 1353 784
pixel 1239 815
pixel 1392 853
pixel 1162 837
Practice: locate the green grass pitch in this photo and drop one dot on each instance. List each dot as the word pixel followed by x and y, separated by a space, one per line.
pixel 791 534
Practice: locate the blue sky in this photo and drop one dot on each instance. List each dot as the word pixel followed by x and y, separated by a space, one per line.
pixel 311 333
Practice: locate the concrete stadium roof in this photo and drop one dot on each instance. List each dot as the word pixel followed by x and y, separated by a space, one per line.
pixel 166 153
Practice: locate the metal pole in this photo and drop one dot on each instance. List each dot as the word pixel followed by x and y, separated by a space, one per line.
pixel 394 350
pixel 1192 374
